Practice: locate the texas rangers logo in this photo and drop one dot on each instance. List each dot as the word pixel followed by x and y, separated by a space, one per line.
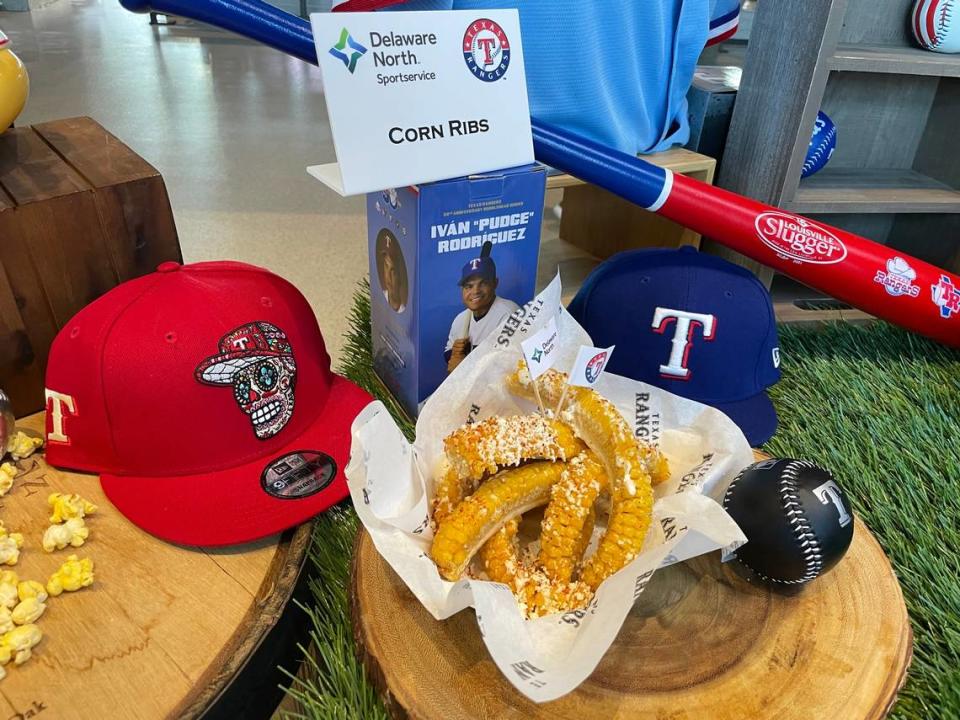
pixel 898 279
pixel 946 296
pixel 486 50
pixel 257 360
pixel 687 322
pixel 595 367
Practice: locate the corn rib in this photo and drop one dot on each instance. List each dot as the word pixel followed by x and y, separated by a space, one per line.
pixel 500 554
pixel 568 520
pixel 483 448
pixel 598 423
pixel 506 495
pixel 536 593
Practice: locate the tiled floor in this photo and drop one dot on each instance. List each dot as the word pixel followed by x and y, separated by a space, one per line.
pixel 231 126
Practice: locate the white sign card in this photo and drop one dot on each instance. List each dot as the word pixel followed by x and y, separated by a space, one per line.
pixel 415 97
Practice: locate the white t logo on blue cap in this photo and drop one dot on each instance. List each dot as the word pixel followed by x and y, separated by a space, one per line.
pixel 687 322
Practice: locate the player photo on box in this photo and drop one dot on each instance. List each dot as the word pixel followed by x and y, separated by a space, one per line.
pixel 392 271
pixel 484 309
pixel 449 261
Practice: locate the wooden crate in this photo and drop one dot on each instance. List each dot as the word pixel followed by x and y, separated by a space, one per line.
pixel 596 224
pixel 80 212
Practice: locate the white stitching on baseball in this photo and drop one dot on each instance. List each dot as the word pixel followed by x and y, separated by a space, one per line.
pixel 813 159
pixel 729 492
pixel 806 539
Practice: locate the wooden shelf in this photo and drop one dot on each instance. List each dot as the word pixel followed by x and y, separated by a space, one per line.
pixel 855 57
pixel 678 159
pixel 854 190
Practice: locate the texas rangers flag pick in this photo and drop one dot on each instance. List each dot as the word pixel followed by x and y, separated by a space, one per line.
pixel 540 352
pixel 589 365
pixel 587 369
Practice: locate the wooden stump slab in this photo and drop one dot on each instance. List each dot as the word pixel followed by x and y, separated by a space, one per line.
pixel 80 212
pixel 699 643
pixel 163 630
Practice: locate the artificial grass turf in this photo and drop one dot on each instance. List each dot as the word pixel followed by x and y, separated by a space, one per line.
pixel 876 405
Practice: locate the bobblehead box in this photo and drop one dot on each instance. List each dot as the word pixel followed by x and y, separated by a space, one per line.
pixel 449 260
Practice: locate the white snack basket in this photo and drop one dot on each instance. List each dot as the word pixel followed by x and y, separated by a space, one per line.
pixel 391 483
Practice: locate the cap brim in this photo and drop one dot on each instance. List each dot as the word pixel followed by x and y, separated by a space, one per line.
pixel 232 506
pixel 755 416
pixel 464 281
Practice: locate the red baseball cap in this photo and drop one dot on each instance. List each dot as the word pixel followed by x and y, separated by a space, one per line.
pixel 203 396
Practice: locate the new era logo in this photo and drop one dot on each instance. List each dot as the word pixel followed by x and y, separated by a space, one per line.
pixel 348 50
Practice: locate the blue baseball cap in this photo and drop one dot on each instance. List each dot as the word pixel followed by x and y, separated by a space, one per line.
pixel 690 323
pixel 483 267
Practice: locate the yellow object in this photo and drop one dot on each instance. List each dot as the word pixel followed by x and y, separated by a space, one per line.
pixel 73 532
pixel 18 644
pixel 8 595
pixel 482 448
pixel 14 84
pixel 506 495
pixel 6 620
pixel 500 554
pixel 628 466
pixel 8 471
pixel 65 507
pixel 72 575
pixel 568 520
pixel 21 445
pixel 10 544
pixel 28 611
pixel 31 589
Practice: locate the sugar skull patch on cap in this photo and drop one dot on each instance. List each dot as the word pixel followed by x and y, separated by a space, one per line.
pixel 257 360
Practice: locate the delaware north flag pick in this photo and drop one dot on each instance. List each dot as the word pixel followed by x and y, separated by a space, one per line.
pixel 540 349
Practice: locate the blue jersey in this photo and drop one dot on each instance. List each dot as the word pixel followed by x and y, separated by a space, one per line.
pixel 615 71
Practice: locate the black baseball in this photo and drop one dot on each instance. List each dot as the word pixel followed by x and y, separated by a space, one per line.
pixel 797 519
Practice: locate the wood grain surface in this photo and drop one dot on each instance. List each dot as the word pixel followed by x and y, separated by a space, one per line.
pixel 700 642
pixel 80 212
pixel 163 630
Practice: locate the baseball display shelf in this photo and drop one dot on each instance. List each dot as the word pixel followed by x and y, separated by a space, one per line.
pixel 165 631
pixel 699 642
pixel 895 175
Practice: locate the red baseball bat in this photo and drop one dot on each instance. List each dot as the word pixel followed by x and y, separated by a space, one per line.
pixel 879 280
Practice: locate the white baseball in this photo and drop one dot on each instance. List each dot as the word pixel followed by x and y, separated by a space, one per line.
pixel 936 25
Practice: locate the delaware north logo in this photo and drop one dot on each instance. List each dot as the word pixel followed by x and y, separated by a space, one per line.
pixel 486 50
pixel 348 50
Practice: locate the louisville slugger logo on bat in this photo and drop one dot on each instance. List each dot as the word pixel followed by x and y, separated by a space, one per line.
pixel 799 239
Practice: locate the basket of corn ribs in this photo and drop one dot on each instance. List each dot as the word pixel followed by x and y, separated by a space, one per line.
pixel 545 505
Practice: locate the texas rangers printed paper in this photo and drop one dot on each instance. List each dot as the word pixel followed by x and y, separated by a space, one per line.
pixel 391 483
pixel 415 97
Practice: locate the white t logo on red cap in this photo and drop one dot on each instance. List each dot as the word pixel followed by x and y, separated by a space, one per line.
pixel 687 322
pixel 55 408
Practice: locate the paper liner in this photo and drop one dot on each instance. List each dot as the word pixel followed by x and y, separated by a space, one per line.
pixel 391 482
